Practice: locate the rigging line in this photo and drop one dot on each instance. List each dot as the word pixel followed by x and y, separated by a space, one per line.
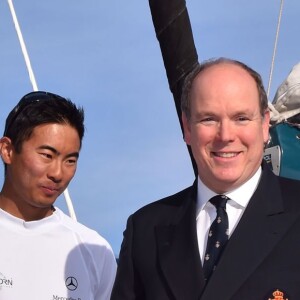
pixel 275 47
pixel 35 88
pixel 23 46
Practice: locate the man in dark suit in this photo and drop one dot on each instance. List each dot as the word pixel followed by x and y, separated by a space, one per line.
pixel 225 120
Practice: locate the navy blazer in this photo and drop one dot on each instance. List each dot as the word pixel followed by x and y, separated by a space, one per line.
pixel 159 257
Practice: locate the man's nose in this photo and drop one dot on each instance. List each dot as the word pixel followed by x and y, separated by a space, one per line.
pixel 55 171
pixel 226 131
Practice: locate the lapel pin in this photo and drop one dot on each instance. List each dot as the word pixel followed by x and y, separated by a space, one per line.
pixel 278 295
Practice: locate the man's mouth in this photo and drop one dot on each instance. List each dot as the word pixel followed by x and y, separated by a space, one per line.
pixel 50 188
pixel 226 154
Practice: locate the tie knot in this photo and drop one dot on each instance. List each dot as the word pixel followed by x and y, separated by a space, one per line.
pixel 219 201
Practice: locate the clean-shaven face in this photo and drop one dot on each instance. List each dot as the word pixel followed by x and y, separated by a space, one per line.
pixel 226 130
pixel 41 171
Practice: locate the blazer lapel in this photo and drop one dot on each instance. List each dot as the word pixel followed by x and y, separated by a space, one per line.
pixel 261 227
pixel 178 253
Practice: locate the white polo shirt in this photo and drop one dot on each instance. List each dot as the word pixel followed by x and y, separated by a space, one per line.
pixel 54 258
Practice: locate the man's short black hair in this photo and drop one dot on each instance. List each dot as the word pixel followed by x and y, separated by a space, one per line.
pixel 38 108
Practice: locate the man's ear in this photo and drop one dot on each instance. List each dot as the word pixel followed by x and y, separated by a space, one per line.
pixel 186 128
pixel 6 149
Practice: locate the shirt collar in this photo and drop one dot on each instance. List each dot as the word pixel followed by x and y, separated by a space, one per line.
pixel 240 195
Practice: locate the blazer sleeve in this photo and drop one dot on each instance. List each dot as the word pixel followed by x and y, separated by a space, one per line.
pixel 127 285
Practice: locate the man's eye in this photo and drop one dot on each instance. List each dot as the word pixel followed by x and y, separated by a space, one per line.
pixel 208 120
pixel 72 161
pixel 242 119
pixel 46 155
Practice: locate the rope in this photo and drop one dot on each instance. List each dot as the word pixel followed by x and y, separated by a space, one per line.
pixel 23 46
pixel 70 204
pixel 35 88
pixel 275 47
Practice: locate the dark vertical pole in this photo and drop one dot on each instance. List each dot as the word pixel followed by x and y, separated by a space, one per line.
pixel 174 33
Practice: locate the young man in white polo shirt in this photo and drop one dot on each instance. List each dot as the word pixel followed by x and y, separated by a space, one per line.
pixel 44 254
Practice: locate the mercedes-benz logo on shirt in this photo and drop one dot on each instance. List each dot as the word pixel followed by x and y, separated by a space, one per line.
pixel 71 283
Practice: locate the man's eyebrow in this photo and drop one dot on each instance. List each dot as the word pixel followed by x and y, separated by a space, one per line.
pixel 202 114
pixel 74 154
pixel 47 147
pixel 52 149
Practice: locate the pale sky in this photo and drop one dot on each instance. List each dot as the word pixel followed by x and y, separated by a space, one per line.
pixel 104 56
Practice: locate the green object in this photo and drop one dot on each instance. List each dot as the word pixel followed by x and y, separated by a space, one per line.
pixel 283 151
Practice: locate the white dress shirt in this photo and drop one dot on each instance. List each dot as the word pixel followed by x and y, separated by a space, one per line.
pixel 206 212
